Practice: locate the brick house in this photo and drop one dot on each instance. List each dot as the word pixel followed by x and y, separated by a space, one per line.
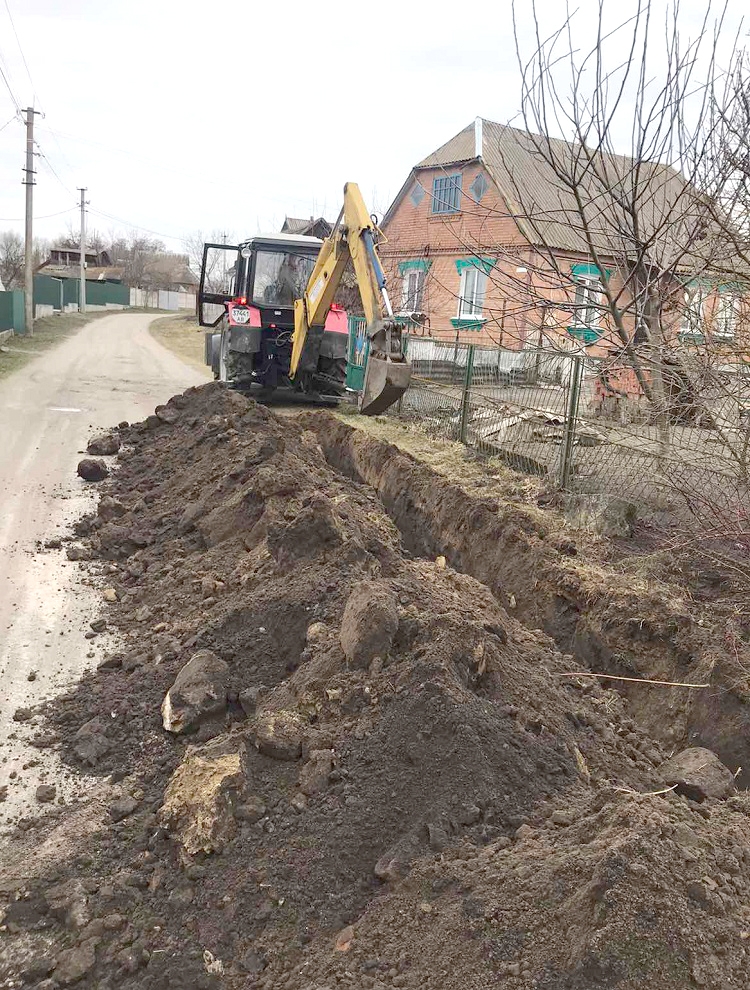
pixel 484 243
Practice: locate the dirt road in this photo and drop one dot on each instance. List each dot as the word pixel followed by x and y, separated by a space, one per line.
pixel 112 370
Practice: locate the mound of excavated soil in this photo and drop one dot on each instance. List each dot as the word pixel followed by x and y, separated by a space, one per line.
pixel 384 782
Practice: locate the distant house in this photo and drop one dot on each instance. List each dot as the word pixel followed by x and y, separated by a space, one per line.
pixel 311 228
pixel 62 256
pixel 65 262
pixel 485 243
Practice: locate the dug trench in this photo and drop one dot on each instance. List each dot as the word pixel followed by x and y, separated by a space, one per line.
pixel 607 622
pixel 339 759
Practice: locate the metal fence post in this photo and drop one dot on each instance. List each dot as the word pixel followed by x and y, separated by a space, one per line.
pixel 466 395
pixel 571 415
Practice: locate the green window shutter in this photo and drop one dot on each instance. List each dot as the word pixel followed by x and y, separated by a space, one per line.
pixel 590 271
pixel 419 265
pixel 486 264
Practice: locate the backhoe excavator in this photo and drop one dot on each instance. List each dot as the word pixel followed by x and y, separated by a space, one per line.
pixel 278 328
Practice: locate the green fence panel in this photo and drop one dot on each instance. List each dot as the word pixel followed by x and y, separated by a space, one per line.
pixel 359 348
pixel 70 291
pixel 101 293
pixel 12 311
pixel 48 291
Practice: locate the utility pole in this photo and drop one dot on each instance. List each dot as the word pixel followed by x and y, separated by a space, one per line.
pixel 82 291
pixel 28 260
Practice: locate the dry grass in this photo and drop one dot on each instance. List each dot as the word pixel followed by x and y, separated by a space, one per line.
pixel 478 475
pixel 49 331
pixel 181 335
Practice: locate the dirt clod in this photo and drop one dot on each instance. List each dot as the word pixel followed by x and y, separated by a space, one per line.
pixel 698 774
pixel 369 623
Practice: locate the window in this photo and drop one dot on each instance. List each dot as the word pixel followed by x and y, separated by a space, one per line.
pixel 692 315
pixel 417 193
pixel 446 193
pixel 479 187
pixel 471 293
pixel 412 288
pixel 281 277
pixel 586 308
pixel 727 313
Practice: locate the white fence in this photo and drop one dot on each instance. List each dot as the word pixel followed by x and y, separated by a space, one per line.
pixel 162 299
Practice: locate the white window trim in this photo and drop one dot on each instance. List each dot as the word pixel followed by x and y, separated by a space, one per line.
pixel 592 287
pixel 405 310
pixel 728 304
pixel 482 286
pixel 695 302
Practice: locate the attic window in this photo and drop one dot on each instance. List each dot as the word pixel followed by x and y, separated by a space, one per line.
pixel 417 193
pixel 479 187
pixel 446 193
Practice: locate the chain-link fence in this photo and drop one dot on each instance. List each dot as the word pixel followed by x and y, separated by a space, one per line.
pixel 543 412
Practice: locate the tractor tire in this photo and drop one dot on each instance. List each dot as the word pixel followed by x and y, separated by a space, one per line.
pixel 335 369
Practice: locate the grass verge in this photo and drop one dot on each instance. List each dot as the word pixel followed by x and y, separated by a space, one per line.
pixel 49 331
pixel 181 335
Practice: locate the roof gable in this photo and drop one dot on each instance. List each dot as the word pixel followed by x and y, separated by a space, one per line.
pixel 544 209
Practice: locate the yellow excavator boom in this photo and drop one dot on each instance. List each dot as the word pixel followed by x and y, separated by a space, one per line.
pixel 355 237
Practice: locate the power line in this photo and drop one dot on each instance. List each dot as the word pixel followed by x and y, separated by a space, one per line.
pixel 46 217
pixel 49 165
pixel 18 42
pixel 14 117
pixel 16 104
pixel 135 226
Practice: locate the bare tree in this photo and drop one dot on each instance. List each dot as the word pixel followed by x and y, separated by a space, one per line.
pixel 218 262
pixel 646 219
pixel 11 259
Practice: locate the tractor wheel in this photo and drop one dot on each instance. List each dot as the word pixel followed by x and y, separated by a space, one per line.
pixel 335 369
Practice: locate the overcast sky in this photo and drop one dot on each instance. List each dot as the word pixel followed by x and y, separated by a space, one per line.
pixel 181 116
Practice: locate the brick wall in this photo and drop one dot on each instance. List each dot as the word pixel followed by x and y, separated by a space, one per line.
pixel 512 313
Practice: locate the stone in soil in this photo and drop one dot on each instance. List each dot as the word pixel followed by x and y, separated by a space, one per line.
pixel 103 445
pixel 92 469
pixel 199 692
pixel 45 793
pixel 200 798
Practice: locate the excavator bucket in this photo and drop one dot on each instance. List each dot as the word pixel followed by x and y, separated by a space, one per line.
pixel 385 382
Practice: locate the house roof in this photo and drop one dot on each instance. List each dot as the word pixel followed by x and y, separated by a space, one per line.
pixel 297 225
pixel 93 273
pixel 521 165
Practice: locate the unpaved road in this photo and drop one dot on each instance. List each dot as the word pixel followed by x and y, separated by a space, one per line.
pixel 112 370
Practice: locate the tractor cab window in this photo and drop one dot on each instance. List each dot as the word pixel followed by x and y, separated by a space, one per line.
pixel 281 277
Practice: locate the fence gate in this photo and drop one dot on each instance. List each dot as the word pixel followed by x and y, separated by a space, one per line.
pixel 359 348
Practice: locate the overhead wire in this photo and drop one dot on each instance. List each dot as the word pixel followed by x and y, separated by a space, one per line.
pixel 18 42
pixel 47 216
pixel 135 226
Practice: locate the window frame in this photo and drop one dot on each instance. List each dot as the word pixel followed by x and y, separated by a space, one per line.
pixel 477 297
pixel 695 304
pixel 591 289
pixel 728 304
pixel 449 183
pixel 405 291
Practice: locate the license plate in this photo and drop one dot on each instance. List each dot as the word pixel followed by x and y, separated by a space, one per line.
pixel 239 315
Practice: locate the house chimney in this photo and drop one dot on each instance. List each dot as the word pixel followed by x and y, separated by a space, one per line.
pixel 478 137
